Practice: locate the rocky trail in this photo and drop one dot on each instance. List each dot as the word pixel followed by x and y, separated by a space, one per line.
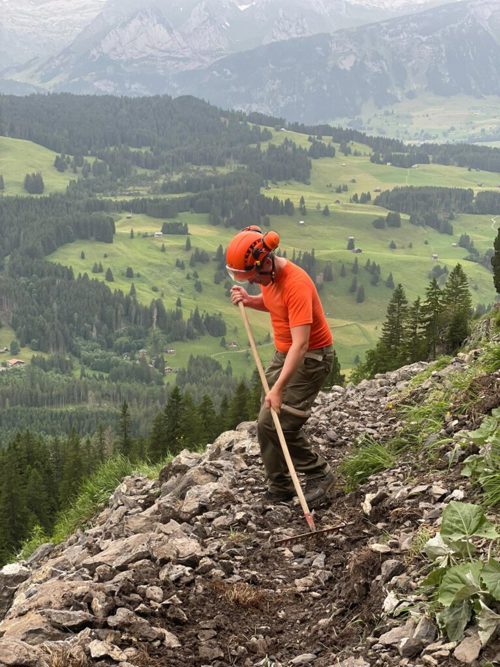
pixel 184 570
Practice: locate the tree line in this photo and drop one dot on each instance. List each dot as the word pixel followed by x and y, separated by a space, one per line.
pixel 85 124
pixel 437 206
pixel 423 329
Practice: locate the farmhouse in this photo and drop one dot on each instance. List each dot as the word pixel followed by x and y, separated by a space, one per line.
pixel 11 363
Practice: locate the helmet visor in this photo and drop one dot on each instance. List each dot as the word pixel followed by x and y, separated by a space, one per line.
pixel 241 276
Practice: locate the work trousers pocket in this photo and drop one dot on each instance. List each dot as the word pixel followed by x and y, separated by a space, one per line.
pixel 304 385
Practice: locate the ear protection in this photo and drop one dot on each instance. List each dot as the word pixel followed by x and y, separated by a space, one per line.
pixel 261 248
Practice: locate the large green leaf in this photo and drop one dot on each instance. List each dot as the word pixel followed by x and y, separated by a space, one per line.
pixel 436 547
pixel 460 582
pixel 488 622
pixel 462 520
pixel 455 618
pixel 490 576
pixel 487 428
pixel 434 577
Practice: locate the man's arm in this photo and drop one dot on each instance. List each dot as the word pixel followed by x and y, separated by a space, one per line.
pixel 249 301
pixel 294 357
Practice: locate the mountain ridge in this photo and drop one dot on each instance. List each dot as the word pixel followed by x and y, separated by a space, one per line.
pixel 165 39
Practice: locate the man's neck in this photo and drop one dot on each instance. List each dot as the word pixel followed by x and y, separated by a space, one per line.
pixel 279 265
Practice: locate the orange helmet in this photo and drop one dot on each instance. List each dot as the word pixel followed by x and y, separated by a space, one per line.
pixel 248 250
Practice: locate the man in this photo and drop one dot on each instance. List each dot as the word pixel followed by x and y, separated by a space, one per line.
pixel 302 360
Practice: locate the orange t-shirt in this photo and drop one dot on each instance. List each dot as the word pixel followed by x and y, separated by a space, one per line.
pixel 293 301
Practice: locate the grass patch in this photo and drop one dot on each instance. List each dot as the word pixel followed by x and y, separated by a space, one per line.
pixel 242 594
pixel 96 491
pixel 369 458
pixel 19 157
pixel 490 360
pixel 424 375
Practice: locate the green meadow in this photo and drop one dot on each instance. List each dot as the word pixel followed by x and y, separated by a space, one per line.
pixel 355 326
pixel 432 117
pixel 19 157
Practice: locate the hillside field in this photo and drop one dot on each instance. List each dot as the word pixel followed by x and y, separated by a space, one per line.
pixel 19 157
pixel 356 326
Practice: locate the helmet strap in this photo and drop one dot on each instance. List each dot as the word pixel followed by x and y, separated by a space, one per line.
pixel 272 272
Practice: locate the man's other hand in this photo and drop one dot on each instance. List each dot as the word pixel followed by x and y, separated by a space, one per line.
pixel 274 399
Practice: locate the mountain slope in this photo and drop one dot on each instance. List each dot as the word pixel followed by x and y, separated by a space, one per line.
pixel 449 50
pixel 38 28
pixel 135 47
pixel 185 570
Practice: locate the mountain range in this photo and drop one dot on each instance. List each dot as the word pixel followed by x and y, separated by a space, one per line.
pixel 306 60
pixel 137 46
pixel 449 50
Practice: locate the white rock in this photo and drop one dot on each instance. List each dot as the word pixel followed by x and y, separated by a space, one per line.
pixel 100 649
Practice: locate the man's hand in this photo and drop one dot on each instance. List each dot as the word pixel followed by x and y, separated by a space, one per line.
pixel 274 399
pixel 238 294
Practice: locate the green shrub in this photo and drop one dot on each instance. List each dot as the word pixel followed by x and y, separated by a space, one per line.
pixel 466 588
pixel 369 458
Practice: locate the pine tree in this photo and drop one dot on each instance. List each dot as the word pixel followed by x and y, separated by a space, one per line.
pixel 355 266
pixel 173 415
pixel 415 344
pixel 390 281
pixel 158 443
pixel 390 349
pixel 2 183
pixel 328 272
pixel 125 441
pixel 360 294
pixel 109 275
pixel 191 427
pixel 495 263
pixel 71 469
pixel 238 406
pixel 456 291
pixel 208 418
pixel 458 308
pixel 334 377
pixel 223 412
pixel 432 312
pixel 13 511
pixel 187 245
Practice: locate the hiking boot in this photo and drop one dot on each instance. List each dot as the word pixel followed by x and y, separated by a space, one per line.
pixel 273 497
pixel 317 489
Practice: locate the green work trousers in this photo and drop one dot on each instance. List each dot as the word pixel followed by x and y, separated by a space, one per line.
pixel 298 397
